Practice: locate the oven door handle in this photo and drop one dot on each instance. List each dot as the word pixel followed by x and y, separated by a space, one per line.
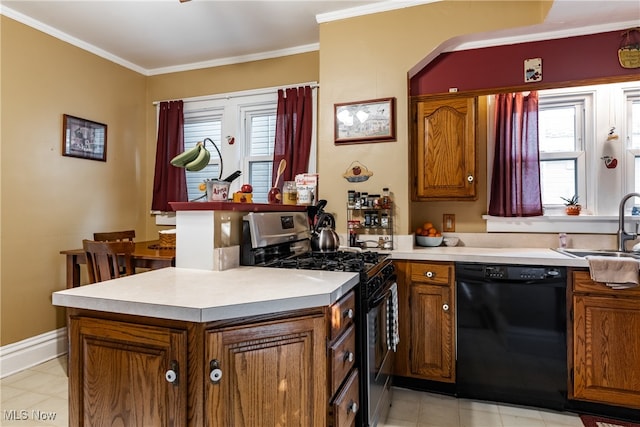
pixel 381 298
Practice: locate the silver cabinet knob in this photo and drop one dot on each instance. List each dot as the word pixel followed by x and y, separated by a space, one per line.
pixel 445 307
pixel 349 356
pixel 171 376
pixel 353 407
pixel 349 313
pixel 172 373
pixel 215 373
pixel 470 178
pixel 430 274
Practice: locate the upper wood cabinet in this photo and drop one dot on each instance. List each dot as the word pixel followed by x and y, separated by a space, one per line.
pixel 443 149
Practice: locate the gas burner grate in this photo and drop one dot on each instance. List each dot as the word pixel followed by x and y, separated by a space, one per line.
pixel 331 261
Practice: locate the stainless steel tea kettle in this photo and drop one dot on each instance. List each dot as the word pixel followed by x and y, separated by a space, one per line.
pixel 324 237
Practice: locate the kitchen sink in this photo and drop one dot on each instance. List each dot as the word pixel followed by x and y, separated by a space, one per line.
pixel 581 253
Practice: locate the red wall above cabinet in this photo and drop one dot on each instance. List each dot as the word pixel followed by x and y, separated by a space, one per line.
pixel 573 58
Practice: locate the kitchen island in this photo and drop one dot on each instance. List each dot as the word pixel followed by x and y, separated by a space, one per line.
pixel 186 347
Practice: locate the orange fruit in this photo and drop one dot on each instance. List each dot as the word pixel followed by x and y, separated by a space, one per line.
pixel 424 233
pixel 418 231
pixel 432 230
pixel 427 225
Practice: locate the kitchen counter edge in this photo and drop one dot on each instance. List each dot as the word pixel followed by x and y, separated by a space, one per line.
pixel 203 296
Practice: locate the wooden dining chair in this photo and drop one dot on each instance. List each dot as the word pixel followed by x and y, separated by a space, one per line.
pixel 115 236
pixel 104 259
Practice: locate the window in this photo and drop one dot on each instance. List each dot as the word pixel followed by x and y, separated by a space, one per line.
pixel 632 119
pixel 197 127
pixel 260 134
pixel 562 129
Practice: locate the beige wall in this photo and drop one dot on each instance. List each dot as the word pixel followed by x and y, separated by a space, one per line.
pixel 51 202
pixel 368 57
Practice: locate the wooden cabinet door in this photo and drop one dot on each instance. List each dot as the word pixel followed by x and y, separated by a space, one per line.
pixel 272 374
pixel 120 374
pixel 431 354
pixel 443 149
pixel 606 350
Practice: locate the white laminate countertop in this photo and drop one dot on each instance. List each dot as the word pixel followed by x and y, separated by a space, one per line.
pixel 202 296
pixel 525 256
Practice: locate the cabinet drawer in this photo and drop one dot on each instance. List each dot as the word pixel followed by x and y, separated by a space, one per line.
pixel 342 358
pixel 347 403
pixel 435 274
pixel 342 314
pixel 582 283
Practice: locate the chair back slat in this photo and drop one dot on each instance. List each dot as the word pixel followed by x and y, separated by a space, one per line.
pixel 113 236
pixel 105 258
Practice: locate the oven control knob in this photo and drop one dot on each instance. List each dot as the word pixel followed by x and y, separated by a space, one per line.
pixel 445 307
pixel 430 274
pixel 348 313
pixel 348 356
pixel 353 407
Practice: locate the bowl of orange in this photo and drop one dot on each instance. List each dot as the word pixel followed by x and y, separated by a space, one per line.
pixel 428 235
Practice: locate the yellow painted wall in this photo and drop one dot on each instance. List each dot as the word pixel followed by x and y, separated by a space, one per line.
pixel 368 57
pixel 51 202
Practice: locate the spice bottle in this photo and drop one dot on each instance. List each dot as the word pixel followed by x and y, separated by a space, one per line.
pixel 386 198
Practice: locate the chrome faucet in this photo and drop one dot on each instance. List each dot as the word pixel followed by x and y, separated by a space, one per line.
pixel 623 236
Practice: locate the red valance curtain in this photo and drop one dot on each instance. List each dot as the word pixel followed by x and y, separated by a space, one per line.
pixel 515 182
pixel 169 182
pixel 294 123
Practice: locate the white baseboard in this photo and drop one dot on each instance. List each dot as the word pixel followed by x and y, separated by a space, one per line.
pixel 32 351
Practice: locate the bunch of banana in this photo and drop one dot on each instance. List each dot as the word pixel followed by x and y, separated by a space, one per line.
pixel 194 159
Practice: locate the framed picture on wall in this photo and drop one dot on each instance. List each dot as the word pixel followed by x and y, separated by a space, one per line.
pixel 365 121
pixel 84 138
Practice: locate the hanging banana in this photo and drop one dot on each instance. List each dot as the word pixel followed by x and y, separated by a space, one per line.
pixel 199 162
pixel 182 159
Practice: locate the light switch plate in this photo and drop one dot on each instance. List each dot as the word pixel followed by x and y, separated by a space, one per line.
pixel 448 222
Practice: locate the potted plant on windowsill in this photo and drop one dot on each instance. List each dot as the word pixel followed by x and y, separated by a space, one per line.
pixel 572 205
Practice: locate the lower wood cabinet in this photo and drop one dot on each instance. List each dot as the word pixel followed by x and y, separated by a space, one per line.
pixel 426 294
pixel 296 368
pixel 126 374
pixel 268 375
pixel 605 343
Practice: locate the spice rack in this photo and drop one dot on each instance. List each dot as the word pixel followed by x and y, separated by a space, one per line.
pixel 369 223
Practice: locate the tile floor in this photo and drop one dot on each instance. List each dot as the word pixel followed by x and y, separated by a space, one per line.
pixel 37 397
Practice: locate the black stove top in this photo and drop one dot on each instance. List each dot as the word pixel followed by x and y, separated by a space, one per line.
pixel 358 262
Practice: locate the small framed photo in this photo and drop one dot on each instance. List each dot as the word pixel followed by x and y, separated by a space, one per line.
pixel 365 121
pixel 84 138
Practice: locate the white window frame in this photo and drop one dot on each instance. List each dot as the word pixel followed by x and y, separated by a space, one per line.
pixel 583 101
pixel 629 96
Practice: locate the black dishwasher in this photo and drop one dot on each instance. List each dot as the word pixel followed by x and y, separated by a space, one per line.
pixel 512 334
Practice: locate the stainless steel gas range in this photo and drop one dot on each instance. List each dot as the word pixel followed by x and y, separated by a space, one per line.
pixel 282 240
